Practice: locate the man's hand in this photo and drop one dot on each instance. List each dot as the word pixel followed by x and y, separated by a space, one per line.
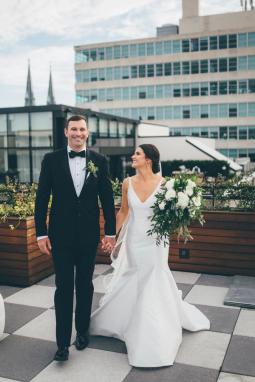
pixel 108 243
pixel 44 246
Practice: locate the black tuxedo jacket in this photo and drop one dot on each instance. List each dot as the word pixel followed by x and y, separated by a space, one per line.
pixel 73 220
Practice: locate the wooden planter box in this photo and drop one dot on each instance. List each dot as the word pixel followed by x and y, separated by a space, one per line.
pixel 21 262
pixel 225 245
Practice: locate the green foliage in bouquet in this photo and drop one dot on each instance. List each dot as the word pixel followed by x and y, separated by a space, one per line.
pixel 117 188
pixel 178 203
pixel 17 200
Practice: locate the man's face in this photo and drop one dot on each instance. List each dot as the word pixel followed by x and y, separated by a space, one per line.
pixel 77 134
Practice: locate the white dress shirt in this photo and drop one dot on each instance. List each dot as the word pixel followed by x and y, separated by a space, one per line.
pixel 77 167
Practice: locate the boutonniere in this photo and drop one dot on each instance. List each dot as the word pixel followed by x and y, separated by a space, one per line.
pixel 92 168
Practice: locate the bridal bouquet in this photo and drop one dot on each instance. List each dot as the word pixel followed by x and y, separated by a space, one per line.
pixel 178 203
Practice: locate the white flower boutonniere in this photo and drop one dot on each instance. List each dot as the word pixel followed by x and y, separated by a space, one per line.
pixel 92 168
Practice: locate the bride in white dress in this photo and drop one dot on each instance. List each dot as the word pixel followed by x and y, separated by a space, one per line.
pixel 142 305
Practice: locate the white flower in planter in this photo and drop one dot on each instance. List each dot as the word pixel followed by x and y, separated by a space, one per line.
pixel 162 206
pixel 170 194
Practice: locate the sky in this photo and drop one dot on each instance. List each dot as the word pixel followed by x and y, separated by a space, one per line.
pixel 45 32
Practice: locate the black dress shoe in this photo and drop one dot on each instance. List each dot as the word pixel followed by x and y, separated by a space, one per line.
pixel 82 341
pixel 62 354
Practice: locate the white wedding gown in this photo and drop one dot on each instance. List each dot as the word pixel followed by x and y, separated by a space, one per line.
pixel 143 306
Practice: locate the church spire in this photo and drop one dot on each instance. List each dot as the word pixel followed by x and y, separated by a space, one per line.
pixel 29 97
pixel 50 97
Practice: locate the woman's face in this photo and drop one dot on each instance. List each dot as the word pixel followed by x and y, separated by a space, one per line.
pixel 139 159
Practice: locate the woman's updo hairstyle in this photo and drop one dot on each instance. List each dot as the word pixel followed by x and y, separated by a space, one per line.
pixel 151 152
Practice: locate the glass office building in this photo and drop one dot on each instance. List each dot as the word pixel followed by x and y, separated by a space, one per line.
pixel 27 133
pixel 198 78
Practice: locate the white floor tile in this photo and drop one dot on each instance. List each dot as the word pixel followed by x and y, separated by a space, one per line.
pixel 226 377
pixel 88 365
pixel 205 349
pixel 185 277
pixel 36 295
pixel 42 327
pixel 208 295
pixel 245 325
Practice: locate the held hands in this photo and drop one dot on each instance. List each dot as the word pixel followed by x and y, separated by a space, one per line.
pixel 45 246
pixel 108 243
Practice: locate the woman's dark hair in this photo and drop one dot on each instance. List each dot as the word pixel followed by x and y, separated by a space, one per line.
pixel 151 152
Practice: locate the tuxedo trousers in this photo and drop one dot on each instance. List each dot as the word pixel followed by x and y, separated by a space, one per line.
pixel 74 267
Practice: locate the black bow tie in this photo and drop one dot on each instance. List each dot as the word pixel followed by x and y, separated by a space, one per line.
pixel 73 154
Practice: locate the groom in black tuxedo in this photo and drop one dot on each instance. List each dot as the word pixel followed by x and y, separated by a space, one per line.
pixel 75 177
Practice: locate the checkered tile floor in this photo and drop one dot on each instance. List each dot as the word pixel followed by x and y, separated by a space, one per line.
pixel 226 353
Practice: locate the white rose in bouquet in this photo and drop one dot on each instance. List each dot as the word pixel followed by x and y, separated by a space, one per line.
pixel 183 200
pixel 170 184
pixel 197 201
pixel 189 191
pixel 162 205
pixel 191 184
pixel 170 194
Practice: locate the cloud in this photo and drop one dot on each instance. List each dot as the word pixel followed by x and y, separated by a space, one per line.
pixel 46 31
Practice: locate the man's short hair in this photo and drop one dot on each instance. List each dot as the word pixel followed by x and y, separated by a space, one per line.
pixel 76 118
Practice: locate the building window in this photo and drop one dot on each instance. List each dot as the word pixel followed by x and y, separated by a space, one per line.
pixel 251 86
pixel 141 49
pixel 204 66
pixel 116 51
pixel 213 88
pixel 176 91
pixel 232 153
pixel 223 64
pixel 186 112
pixel 251 131
pixel 251 63
pixel 134 71
pixel 101 54
pixel 232 132
pixel 213 42
pixel 204 89
pixel 195 90
pixel 242 40
pixel 125 72
pixel 159 91
pixel 242 110
pixel 251 109
pixel 204 111
pixel 185 67
pixel 108 53
pixel 204 132
pixel 232 110
pixel 242 86
pixel 242 63
pixel 223 87
pixel 159 48
pixel 195 111
pixel 141 71
pixel 232 41
pixel 232 64
pixel 124 51
pixel 242 132
pixel 93 55
pixel 194 44
pixel 223 133
pixel 150 70
pixel 214 132
pixel 133 50
pixel 195 132
pixel 223 42
pixel 150 49
pixel 109 74
pixel 203 43
pixel 251 154
pixel 194 67
pixel 186 90
pixel 232 87
pixel 159 70
pixel 167 69
pixel 251 39
pixel 177 68
pixel 214 111
pixel 185 46
pixel 176 46
pixel 213 66
pixel 167 47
